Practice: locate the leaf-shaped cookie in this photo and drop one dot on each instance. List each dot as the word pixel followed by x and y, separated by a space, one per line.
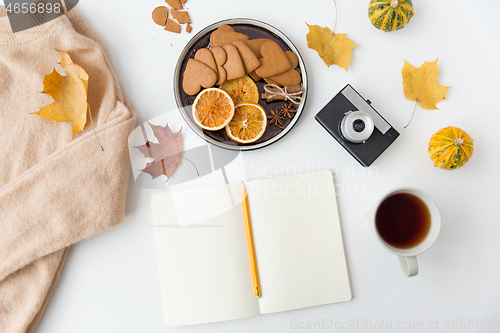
pixel 69 93
pixel 334 49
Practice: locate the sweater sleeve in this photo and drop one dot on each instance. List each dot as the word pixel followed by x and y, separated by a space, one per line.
pixel 48 208
pixel 78 189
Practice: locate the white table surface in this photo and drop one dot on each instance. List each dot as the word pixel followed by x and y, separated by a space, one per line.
pixel 110 282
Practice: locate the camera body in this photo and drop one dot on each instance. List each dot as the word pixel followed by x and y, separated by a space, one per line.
pixel 357 126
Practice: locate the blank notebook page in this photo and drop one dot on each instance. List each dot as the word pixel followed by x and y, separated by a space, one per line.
pixel 298 242
pixel 204 268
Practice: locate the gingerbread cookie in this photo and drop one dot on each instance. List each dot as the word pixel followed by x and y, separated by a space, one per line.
pixel 291 77
pixel 220 57
pixel 250 61
pixel 270 81
pixel 292 57
pixel 223 37
pixel 197 75
pixel 255 44
pixel 234 65
pixel 206 56
pixel 225 27
pixel 160 15
pixel 274 61
pixel 254 76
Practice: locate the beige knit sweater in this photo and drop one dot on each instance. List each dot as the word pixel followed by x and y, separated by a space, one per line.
pixel 54 189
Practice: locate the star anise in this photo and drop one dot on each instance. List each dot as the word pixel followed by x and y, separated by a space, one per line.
pixel 276 118
pixel 287 110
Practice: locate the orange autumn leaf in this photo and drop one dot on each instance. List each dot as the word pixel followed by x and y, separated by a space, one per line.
pixel 69 93
pixel 334 49
pixel 166 154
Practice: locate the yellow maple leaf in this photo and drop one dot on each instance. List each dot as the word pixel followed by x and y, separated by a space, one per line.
pixel 334 49
pixel 421 84
pixel 69 93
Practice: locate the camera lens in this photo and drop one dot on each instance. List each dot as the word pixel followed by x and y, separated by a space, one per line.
pixel 358 125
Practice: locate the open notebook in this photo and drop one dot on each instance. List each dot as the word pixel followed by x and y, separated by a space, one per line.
pixel 204 264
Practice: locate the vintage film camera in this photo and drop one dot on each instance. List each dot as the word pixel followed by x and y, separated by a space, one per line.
pixel 357 126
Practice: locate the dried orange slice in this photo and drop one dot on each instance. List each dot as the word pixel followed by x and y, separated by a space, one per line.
pixel 242 90
pixel 213 109
pixel 248 124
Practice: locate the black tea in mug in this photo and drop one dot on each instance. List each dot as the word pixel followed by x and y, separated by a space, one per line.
pixel 403 220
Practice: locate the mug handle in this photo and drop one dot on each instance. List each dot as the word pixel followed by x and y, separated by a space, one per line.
pixel 409 265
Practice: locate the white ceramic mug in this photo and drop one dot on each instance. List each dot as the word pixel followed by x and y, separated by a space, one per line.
pixel 408 257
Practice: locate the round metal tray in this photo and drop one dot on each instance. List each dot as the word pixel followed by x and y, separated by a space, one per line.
pixel 254 29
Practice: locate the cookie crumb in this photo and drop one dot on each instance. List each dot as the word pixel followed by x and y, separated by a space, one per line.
pixel 188 28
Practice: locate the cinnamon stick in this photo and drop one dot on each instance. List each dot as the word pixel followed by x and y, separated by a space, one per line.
pixel 273 91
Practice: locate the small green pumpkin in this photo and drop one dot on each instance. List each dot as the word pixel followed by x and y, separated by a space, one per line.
pixel 450 148
pixel 390 15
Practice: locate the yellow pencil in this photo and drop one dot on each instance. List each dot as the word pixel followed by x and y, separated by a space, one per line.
pixel 253 262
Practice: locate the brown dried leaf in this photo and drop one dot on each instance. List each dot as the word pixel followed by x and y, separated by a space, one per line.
pixel 166 153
